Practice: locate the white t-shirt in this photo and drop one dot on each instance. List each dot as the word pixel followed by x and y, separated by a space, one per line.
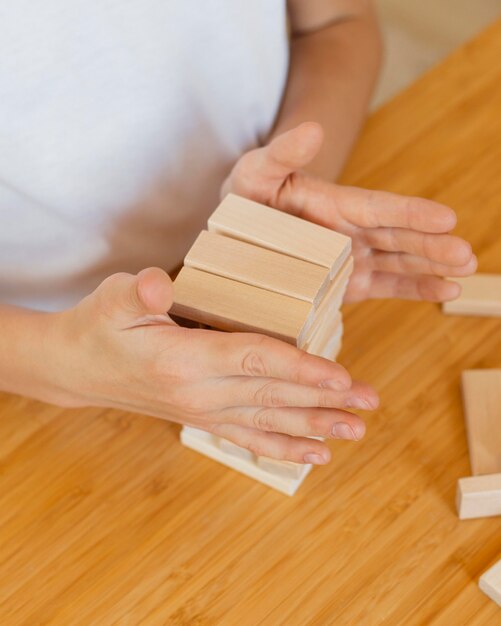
pixel 119 120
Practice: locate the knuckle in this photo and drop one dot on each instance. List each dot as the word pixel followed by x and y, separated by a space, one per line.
pixel 315 425
pixel 253 363
pixel 269 395
pixel 255 447
pixel 288 452
pixel 325 400
pixel 264 419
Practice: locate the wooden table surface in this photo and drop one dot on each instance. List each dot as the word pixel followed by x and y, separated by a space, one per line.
pixel 105 519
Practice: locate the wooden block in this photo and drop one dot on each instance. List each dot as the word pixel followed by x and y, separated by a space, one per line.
pixel 336 287
pixel 230 305
pixel 330 304
pixel 232 449
pixel 490 583
pixel 190 437
pixel 481 295
pixel 253 265
pixel 479 496
pixel 482 407
pixel 331 349
pixel 333 353
pixel 258 224
pixel 281 468
pixel 333 328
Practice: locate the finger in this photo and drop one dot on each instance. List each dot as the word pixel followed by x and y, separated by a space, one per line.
pixel 249 354
pixel 276 445
pixel 249 391
pixel 264 169
pixel 327 423
pixel 389 285
pixel 445 249
pixel 124 298
pixel 285 154
pixel 374 209
pixel 401 263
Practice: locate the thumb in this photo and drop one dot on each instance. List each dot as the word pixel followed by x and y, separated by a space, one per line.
pixel 129 300
pixel 260 173
pixel 293 149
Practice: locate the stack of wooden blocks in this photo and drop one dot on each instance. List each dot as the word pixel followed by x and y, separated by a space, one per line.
pixel 260 270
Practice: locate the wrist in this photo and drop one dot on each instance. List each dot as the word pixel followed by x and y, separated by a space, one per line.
pixel 32 360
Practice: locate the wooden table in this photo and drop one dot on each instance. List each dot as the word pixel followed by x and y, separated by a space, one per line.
pixel 105 519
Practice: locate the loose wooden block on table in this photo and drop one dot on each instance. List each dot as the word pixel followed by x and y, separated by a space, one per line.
pixel 230 305
pixel 258 224
pixel 479 496
pixel 481 295
pixel 253 265
pixel 482 407
pixel 490 583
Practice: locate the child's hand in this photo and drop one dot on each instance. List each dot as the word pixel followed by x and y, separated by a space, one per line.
pixel 117 348
pixel 401 245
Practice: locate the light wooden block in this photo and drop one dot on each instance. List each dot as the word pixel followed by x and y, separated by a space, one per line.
pixel 479 496
pixel 481 295
pixel 190 437
pixel 281 468
pixel 490 583
pixel 253 265
pixel 332 348
pixel 233 306
pixel 482 408
pixel 330 304
pixel 337 285
pixel 258 224
pixel 233 450
pixel 324 336
pixel 332 352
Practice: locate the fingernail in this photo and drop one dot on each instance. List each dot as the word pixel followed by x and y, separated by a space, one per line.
pixel 336 385
pixel 315 459
pixel 341 430
pixel 358 403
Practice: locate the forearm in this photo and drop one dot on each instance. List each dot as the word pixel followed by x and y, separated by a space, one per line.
pixel 332 73
pixel 26 352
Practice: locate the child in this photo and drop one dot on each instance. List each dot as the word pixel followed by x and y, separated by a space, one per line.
pixel 119 122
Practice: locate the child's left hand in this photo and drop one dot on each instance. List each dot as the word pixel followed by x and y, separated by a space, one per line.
pixel 401 245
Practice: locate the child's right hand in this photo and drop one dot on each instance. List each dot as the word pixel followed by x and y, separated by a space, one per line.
pixel 117 348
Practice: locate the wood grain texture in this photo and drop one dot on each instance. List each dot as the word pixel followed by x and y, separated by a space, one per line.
pixel 479 496
pixel 321 317
pixel 481 295
pixel 252 222
pixel 482 408
pixel 105 519
pixel 490 583
pixel 319 341
pixel 230 305
pixel 257 266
